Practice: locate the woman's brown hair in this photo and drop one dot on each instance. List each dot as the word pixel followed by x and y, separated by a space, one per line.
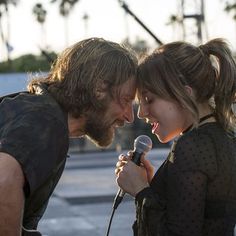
pixel 173 66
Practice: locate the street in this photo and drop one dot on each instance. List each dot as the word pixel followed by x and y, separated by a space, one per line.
pixel 82 202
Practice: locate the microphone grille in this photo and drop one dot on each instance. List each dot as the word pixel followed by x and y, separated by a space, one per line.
pixel 142 144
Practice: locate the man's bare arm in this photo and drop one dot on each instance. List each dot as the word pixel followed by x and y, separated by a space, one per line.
pixel 11 196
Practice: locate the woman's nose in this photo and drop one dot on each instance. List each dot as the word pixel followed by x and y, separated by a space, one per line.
pixel 142 112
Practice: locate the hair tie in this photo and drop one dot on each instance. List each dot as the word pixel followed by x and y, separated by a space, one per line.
pixel 204 50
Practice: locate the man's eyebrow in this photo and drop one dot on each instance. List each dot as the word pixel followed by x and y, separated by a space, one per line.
pixel 128 96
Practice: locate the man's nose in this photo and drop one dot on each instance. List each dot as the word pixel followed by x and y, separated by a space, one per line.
pixel 129 114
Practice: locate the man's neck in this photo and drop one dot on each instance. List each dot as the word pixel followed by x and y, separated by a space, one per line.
pixel 76 126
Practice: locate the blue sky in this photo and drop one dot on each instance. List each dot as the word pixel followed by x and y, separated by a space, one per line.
pixel 108 20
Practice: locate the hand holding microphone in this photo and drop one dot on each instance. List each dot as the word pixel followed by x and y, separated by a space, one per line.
pixel 142 145
pixel 131 177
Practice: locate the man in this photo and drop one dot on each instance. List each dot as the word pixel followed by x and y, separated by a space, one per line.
pixel 89 91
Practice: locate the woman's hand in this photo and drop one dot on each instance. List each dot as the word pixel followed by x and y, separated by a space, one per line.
pixel 132 178
pixel 149 168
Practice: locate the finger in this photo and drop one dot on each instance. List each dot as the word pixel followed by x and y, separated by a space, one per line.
pixel 117 170
pixel 130 155
pixel 122 162
pixel 119 164
pixel 143 158
pixel 147 164
pixel 122 157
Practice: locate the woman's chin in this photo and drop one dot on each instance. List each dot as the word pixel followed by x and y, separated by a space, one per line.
pixel 163 139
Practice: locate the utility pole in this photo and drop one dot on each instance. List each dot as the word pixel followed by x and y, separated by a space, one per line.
pixel 131 13
pixel 192 17
pixel 85 19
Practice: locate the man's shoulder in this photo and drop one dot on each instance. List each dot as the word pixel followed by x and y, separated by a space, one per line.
pixel 28 103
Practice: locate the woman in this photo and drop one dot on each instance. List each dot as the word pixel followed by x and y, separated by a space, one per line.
pixel 186 93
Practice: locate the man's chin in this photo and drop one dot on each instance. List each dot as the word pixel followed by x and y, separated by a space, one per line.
pixel 103 141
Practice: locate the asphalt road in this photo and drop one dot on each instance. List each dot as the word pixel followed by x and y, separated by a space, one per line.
pixel 82 202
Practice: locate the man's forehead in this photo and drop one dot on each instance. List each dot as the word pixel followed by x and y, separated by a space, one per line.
pixel 128 89
pixel 142 93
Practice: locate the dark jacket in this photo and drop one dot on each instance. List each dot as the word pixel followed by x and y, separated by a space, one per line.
pixel 194 191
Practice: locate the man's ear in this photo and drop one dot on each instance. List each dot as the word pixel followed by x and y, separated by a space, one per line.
pixel 101 90
pixel 100 94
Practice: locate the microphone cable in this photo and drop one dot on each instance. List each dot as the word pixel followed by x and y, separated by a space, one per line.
pixel 110 221
pixel 117 201
pixel 142 144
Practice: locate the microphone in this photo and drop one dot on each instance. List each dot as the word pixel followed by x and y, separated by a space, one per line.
pixel 142 145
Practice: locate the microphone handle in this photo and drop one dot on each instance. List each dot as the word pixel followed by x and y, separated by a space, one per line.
pixel 136 158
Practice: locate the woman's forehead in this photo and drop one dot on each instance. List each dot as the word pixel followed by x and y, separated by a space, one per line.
pixel 141 93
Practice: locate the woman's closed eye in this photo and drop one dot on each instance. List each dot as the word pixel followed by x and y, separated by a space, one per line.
pixel 147 100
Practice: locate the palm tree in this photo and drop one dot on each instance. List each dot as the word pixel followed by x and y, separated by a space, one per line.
pixel 40 14
pixel 184 15
pixel 85 18
pixel 65 7
pixel 229 7
pixel 5 37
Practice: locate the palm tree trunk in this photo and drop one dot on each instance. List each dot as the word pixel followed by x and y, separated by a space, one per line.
pixel 66 25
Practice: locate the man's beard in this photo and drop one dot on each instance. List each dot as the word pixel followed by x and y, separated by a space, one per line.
pixel 98 129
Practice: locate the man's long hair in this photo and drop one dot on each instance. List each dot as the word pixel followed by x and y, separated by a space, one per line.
pixel 83 69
